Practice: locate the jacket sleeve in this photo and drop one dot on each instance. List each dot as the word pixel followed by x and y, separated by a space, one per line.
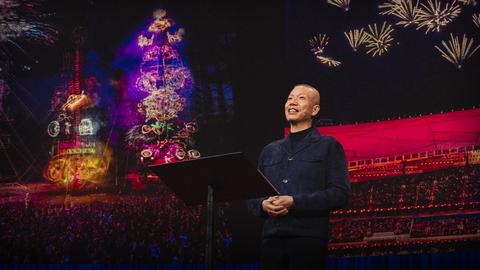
pixel 254 206
pixel 337 193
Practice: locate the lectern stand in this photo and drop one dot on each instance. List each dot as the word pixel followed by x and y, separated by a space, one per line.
pixel 222 178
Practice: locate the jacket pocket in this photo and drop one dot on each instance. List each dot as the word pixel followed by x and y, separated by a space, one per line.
pixel 312 158
pixel 311 169
pixel 272 161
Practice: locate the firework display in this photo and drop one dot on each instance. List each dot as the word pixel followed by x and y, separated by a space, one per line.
pixel 405 10
pixel 344 4
pixel 20 20
pixel 457 52
pixel 356 38
pixel 432 16
pixel 22 23
pixel 163 137
pixel 476 20
pixel 318 44
pixel 380 40
pixel 328 61
pixel 317 47
pixel 468 2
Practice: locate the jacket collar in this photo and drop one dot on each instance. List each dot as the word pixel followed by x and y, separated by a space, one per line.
pixel 311 137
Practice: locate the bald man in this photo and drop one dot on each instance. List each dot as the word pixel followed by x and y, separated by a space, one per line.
pixel 310 172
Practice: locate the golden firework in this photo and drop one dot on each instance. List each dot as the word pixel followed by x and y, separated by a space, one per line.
pixel 468 2
pixel 432 16
pixel 318 44
pixel 379 41
pixel 356 37
pixel 345 4
pixel 405 10
pixel 476 20
pixel 455 52
pixel 328 61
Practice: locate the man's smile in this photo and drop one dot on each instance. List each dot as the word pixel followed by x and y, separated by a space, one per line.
pixel 292 110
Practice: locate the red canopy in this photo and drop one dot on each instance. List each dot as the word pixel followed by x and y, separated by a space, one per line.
pixel 409 135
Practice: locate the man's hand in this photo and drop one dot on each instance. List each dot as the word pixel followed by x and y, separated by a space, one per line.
pixel 285 201
pixel 277 206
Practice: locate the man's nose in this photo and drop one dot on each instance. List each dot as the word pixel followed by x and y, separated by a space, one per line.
pixel 293 101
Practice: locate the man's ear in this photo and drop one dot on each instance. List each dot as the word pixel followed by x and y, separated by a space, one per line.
pixel 316 110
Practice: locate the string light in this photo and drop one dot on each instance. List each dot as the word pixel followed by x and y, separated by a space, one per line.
pixel 79 166
pixel 162 137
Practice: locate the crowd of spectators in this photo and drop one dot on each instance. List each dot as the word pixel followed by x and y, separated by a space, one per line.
pixel 441 226
pixel 452 185
pixel 457 185
pixel 345 230
pixel 125 229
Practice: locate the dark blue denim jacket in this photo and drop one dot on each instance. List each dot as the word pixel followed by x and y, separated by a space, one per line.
pixel 317 178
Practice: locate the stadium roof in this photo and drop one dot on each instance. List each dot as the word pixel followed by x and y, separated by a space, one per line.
pixel 409 135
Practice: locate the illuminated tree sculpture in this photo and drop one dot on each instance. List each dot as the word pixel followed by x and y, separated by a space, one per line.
pixel 164 83
pixel 163 78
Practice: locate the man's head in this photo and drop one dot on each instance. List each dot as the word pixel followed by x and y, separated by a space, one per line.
pixel 303 104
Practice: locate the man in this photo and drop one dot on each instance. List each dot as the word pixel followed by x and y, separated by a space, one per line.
pixel 309 170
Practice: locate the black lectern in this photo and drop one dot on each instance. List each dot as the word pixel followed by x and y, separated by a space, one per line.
pixel 228 177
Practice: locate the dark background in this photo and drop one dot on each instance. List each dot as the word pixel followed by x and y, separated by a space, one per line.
pixel 260 49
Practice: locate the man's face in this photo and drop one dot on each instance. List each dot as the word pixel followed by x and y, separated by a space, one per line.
pixel 302 105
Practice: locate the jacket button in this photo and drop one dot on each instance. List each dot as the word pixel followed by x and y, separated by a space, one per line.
pixel 290 158
pixel 285 181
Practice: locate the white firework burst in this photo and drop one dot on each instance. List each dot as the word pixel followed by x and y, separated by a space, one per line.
pixel 476 19
pixel 326 60
pixel 457 52
pixel 432 16
pixel 356 38
pixel 344 4
pixel 468 2
pixel 380 40
pixel 19 20
pixel 318 44
pixel 405 10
